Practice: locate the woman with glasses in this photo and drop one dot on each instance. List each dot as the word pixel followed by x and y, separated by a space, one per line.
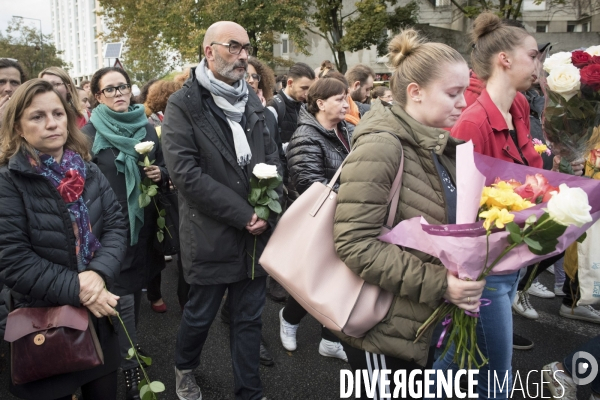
pixel 261 78
pixel 63 84
pixel 115 127
pixel 383 94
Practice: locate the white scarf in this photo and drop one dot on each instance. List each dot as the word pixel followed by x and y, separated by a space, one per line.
pixel 232 100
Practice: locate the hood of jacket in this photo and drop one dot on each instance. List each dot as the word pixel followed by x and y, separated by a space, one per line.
pixel 476 85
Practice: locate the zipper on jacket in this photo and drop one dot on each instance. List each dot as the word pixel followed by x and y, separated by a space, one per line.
pixel 442 186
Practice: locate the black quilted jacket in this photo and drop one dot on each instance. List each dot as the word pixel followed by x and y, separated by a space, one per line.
pixel 314 154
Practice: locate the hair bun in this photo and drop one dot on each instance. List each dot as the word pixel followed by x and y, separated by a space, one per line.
pixel 402 45
pixel 485 23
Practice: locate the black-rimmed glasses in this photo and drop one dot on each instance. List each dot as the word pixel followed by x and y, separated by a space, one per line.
pixel 255 77
pixel 236 48
pixel 112 91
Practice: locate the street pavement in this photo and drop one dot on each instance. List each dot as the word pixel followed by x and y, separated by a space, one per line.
pixel 304 374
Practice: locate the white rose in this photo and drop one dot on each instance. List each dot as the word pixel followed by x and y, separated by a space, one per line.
pixel 593 51
pixel 564 80
pixel 265 171
pixel 144 147
pixel 570 206
pixel 556 60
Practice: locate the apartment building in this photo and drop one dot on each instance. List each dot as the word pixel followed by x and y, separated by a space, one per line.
pixel 75 27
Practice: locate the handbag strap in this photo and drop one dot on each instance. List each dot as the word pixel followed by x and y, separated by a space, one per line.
pixel 394 195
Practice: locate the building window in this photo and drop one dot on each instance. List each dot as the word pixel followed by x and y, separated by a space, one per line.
pixel 570 27
pixel 284 46
pixel 585 27
pixel 578 26
pixel 541 27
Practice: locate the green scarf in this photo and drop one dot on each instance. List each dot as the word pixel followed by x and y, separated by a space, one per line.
pixel 122 131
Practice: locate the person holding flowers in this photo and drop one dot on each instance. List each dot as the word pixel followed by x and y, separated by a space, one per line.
pixel 116 127
pixel 506 59
pixel 428 85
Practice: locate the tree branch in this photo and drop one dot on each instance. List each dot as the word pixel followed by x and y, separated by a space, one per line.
pixel 346 16
pixel 458 6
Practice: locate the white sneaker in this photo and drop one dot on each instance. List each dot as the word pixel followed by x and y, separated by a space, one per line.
pixel 328 348
pixel 584 313
pixel 287 333
pixel 523 307
pixel 561 385
pixel 186 387
pixel 550 269
pixel 539 290
pixel 558 291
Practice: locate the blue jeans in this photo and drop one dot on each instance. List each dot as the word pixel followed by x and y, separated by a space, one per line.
pixel 247 300
pixel 494 337
pixel 592 347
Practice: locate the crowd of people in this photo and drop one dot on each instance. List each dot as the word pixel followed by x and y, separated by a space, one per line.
pixel 76 232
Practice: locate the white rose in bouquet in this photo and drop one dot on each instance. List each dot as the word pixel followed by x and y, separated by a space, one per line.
pixel 570 206
pixel 593 50
pixel 556 60
pixel 265 171
pixel 564 80
pixel 144 147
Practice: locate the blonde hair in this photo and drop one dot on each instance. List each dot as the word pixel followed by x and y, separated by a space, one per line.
pixel 414 60
pixel 11 142
pixel 73 96
pixel 490 36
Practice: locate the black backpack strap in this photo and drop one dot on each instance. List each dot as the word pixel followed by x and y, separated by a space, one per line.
pixel 279 106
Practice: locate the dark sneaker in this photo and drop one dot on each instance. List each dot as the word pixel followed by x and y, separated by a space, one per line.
pixel 521 343
pixel 265 357
pixel 276 292
pixel 133 377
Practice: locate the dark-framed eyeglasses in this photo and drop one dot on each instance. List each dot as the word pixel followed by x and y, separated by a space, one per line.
pixel 236 48
pixel 255 77
pixel 112 91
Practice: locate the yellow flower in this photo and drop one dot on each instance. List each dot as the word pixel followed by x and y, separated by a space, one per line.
pixel 504 217
pixel 503 185
pixel 521 205
pixel 497 216
pixel 490 216
pixel 540 148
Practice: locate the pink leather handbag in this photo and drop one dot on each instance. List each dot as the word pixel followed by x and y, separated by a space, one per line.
pixel 301 256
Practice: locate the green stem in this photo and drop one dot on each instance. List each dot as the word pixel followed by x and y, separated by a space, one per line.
pixel 529 281
pixel 135 352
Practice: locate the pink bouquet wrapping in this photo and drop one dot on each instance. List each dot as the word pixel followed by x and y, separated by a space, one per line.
pixel 489 188
pixel 461 247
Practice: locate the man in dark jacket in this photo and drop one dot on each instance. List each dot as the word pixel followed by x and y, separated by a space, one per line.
pixel 214 133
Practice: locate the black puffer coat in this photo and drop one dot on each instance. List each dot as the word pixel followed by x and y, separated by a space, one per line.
pixel 38 261
pixel 314 154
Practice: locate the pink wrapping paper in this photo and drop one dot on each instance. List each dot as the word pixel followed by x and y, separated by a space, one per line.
pixel 461 247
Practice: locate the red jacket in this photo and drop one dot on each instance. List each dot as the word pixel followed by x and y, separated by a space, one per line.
pixel 476 86
pixel 483 123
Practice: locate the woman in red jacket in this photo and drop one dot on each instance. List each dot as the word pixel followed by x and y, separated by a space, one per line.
pixel 506 58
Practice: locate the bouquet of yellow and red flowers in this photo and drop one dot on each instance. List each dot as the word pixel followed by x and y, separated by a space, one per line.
pixel 513 228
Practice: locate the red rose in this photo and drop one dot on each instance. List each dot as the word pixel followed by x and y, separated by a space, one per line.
pixel 590 76
pixel 595 60
pixel 580 58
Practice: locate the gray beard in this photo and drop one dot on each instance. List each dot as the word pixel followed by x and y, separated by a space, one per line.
pixel 227 70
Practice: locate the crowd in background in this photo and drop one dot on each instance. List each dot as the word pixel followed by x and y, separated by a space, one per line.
pixel 208 127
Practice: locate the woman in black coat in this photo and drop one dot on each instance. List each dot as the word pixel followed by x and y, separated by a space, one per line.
pixel 44 215
pixel 115 128
pixel 315 152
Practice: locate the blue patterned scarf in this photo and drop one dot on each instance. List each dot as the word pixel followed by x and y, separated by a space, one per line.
pixel 68 178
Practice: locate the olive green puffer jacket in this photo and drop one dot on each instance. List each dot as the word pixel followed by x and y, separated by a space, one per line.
pixel 417 279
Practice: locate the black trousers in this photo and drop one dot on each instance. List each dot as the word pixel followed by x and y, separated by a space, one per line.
pixel 364 360
pixel 294 312
pixel 571 289
pixel 544 265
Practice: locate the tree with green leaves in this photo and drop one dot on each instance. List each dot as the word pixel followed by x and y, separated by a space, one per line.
pixel 22 43
pixel 362 26
pixel 176 28
pixel 507 9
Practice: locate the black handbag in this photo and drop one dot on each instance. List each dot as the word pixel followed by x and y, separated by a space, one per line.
pixel 167 200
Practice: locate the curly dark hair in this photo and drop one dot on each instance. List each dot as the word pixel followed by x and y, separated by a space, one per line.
pixel 159 94
pixel 267 77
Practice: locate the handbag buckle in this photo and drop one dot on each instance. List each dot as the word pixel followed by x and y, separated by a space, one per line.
pixel 39 339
